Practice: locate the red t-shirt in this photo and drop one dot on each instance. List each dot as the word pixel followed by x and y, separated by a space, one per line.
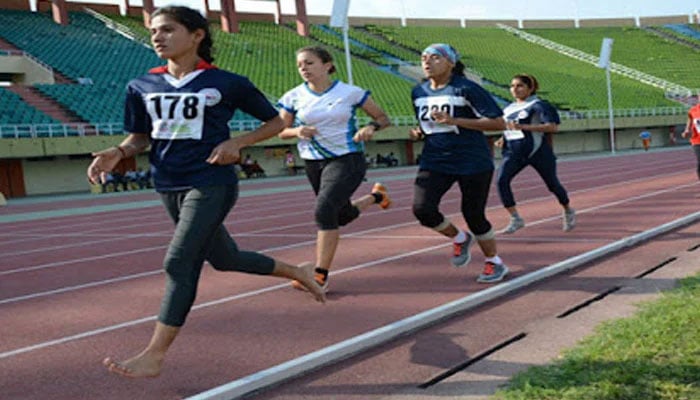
pixel 694 115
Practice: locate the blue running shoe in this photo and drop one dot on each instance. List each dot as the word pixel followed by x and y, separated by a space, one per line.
pixel 462 251
pixel 493 273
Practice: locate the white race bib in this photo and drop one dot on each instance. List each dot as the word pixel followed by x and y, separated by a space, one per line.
pixel 426 106
pixel 176 115
pixel 513 134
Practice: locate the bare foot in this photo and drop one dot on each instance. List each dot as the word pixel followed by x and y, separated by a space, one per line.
pixel 141 366
pixel 305 276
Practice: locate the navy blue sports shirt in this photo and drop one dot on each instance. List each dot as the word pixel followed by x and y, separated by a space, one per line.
pixel 450 149
pixel 187 118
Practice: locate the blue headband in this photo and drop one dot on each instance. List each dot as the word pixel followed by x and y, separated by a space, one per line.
pixel 444 50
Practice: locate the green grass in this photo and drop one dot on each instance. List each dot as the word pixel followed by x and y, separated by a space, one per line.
pixel 654 355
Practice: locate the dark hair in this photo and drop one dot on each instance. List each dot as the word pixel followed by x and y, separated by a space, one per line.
pixel 192 20
pixel 321 53
pixel 529 81
pixel 458 69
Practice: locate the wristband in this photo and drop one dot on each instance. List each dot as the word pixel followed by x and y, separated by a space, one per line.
pixel 377 126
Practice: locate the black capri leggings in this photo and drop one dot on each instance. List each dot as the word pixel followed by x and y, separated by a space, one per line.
pixel 430 186
pixel 334 181
pixel 200 235
pixel 543 161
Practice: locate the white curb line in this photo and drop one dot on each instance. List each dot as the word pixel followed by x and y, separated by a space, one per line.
pixel 365 341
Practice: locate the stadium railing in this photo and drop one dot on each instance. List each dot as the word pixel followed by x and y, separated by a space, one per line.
pixel 107 129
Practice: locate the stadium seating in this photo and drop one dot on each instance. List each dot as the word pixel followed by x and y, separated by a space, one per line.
pixel 498 55
pixel 89 51
pixel 265 53
pixel 85 50
pixel 16 111
pixel 636 49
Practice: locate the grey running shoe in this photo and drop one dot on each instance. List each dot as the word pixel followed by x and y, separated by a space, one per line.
pixel 462 251
pixel 569 220
pixel 515 223
pixel 492 273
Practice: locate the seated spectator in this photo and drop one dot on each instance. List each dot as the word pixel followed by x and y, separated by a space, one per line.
pixel 391 160
pixel 108 181
pixel 247 166
pixel 144 178
pixel 378 160
pixel 256 170
pixel 290 163
pixel 119 181
pixel 130 177
pixel 239 171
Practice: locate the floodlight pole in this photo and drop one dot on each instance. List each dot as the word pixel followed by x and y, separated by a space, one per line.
pixel 610 110
pixel 339 19
pixel 346 41
pixel 604 62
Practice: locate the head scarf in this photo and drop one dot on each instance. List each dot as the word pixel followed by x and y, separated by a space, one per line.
pixel 444 50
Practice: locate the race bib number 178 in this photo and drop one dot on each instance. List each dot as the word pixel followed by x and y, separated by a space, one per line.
pixel 176 115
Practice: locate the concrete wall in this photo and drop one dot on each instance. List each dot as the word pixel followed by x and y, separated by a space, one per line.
pixel 489 23
pixel 448 23
pixel 48 168
pixel 57 175
pixel 671 19
pixel 549 23
pixel 26 71
pixel 15 4
pixel 590 23
pixel 358 21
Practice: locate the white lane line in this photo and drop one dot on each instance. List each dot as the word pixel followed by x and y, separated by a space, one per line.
pixel 127 324
pixel 78 287
pixel 365 341
pixel 264 230
pixel 357 235
pixel 79 260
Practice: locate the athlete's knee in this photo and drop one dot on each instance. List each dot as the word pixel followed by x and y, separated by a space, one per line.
pixel 427 215
pixel 172 267
pixel 488 235
pixel 326 217
pixel 348 215
pixel 503 180
pixel 477 222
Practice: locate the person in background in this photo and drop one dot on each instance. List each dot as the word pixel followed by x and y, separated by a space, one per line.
pixel 453 112
pixel 645 135
pixel 290 162
pixel 692 131
pixel 523 143
pixel 320 114
pixel 192 156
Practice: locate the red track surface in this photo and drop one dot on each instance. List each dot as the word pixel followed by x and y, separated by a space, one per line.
pixel 75 289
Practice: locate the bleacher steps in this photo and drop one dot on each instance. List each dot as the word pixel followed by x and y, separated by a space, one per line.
pixel 674 91
pixel 44 104
pixel 57 76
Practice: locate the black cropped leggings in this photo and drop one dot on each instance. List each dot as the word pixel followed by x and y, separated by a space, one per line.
pixel 334 180
pixel 200 236
pixel 430 186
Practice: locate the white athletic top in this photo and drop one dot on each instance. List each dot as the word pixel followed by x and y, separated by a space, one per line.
pixel 332 113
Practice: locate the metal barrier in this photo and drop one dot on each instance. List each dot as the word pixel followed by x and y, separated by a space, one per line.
pixel 113 128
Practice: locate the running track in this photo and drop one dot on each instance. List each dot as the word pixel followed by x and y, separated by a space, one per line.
pixel 80 276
